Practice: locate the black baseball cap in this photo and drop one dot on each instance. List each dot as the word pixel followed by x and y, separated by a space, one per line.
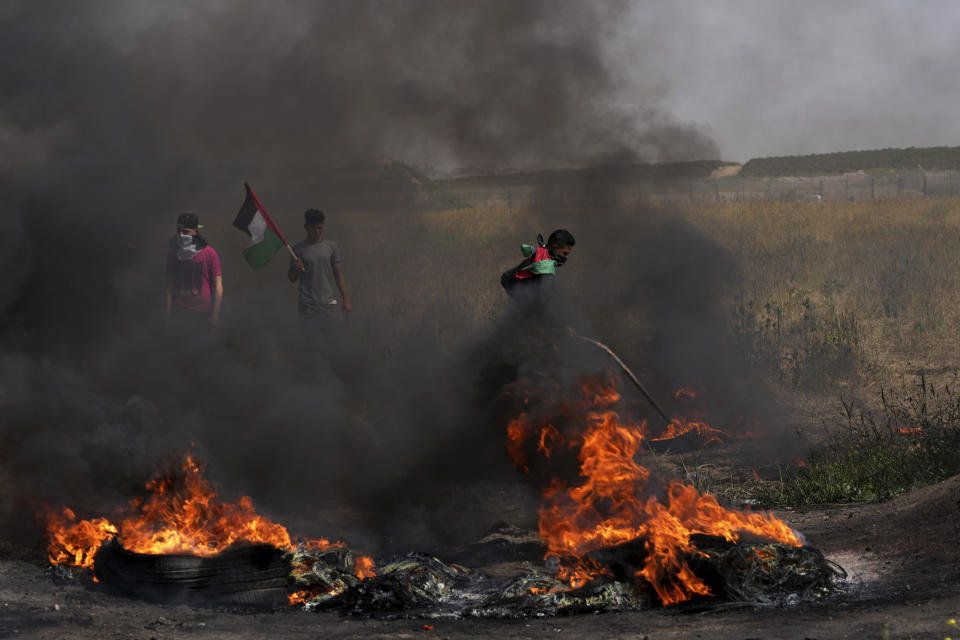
pixel 189 221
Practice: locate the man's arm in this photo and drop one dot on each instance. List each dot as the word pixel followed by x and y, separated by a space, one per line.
pixel 168 295
pixel 296 268
pixel 217 300
pixel 169 272
pixel 342 285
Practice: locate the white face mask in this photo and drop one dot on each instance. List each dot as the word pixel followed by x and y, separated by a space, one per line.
pixel 186 246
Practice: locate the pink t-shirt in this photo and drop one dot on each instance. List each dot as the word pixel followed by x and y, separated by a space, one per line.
pixel 192 279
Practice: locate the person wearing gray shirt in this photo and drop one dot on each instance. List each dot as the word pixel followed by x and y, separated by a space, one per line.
pixel 317 269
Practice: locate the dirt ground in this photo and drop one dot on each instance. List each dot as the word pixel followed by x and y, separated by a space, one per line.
pixel 902 558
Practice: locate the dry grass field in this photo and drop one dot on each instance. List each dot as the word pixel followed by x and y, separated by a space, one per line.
pixel 832 295
pixel 865 287
pixel 815 304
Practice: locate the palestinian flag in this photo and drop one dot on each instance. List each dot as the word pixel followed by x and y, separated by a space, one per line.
pixel 265 237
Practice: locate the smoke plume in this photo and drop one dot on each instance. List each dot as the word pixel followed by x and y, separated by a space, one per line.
pixel 116 116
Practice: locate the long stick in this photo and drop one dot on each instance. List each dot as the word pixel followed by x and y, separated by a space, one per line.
pixel 633 378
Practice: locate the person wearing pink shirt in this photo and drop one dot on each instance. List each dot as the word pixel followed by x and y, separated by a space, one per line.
pixel 194 289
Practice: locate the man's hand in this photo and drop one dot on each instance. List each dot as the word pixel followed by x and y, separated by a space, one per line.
pixel 346 307
pixel 296 268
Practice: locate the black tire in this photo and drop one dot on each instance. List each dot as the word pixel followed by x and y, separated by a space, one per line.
pixel 254 576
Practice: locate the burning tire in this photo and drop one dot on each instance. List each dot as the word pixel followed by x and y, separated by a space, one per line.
pixel 255 576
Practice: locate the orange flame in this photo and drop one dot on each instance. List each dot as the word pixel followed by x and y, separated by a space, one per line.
pixel 548 435
pixel 74 543
pixel 681 426
pixel 363 567
pixel 181 514
pixel 516 435
pixel 613 505
pixel 764 554
pixel 302 596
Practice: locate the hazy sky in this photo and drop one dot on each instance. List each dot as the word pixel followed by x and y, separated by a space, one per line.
pixel 485 84
pixel 775 77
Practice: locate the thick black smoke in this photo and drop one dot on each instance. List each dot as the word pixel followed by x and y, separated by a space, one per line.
pixel 446 84
pixel 116 116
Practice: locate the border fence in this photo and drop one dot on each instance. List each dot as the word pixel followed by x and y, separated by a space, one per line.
pixel 850 187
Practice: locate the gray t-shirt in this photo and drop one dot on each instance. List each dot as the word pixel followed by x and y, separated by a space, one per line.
pixel 318 287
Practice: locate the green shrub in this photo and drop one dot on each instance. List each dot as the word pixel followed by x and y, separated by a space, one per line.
pixel 913 443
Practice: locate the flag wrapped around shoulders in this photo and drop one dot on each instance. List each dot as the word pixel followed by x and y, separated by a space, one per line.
pixel 265 237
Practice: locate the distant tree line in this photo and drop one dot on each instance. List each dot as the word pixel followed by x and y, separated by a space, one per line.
pixel 909 159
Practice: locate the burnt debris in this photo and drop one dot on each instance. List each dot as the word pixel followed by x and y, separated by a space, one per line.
pixel 420 585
